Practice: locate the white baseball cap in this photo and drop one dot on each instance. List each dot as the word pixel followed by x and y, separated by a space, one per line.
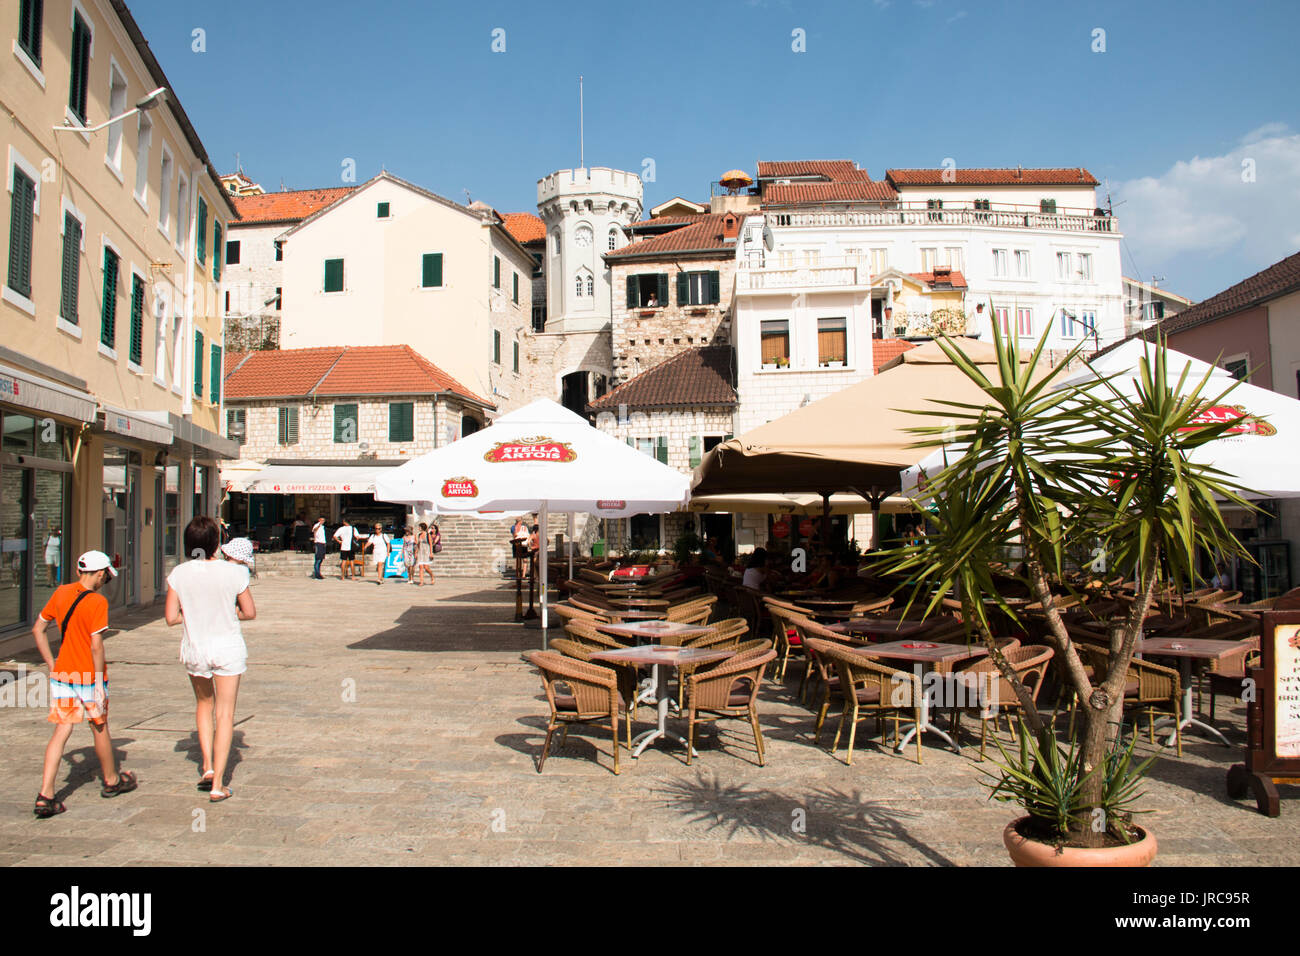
pixel 95 561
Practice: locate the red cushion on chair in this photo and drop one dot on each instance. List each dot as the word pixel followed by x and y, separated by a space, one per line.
pixel 632 571
pixel 793 637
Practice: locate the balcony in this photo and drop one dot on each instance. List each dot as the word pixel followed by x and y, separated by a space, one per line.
pixel 826 274
pixel 1002 216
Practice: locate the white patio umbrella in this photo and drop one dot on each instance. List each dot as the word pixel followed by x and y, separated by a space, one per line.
pixel 1261 452
pixel 541 458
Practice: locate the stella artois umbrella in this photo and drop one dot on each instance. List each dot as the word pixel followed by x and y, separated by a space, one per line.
pixel 542 458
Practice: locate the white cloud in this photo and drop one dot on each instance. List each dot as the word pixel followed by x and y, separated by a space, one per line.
pixel 1205 224
pixel 957 16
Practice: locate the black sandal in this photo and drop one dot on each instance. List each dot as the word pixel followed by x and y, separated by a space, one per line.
pixel 47 807
pixel 126 782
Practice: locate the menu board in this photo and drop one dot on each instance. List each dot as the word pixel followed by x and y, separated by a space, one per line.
pixel 1286 675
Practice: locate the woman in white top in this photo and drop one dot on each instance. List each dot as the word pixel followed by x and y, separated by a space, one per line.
pixel 378 545
pixel 211 597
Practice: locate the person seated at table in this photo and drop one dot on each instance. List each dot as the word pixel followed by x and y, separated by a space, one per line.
pixel 824 576
pixel 709 554
pixel 755 570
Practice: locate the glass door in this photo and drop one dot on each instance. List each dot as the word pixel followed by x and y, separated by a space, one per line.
pixel 15 547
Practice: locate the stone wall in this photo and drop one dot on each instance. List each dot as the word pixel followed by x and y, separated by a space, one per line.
pixel 257 333
pixel 549 356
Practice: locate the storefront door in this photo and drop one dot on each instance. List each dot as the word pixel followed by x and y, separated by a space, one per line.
pixel 122 522
pixel 34 511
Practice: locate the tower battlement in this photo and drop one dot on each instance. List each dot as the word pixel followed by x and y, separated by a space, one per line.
pixel 565 183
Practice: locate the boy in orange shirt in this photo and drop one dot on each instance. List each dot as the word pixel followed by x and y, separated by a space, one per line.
pixel 79 677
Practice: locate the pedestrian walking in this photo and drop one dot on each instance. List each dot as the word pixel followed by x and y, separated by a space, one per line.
pixel 378 543
pixel 210 597
pixel 78 678
pixel 240 551
pixel 423 555
pixel 318 537
pixel 53 552
pixel 345 536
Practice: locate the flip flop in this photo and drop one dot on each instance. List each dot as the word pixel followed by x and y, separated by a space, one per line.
pixel 47 807
pixel 205 783
pixel 218 795
pixel 126 782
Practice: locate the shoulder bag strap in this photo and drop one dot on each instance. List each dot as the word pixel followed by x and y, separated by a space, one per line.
pixel 63 628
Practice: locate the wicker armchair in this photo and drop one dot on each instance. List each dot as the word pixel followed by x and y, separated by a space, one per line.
pixel 869 688
pixel 1146 685
pixel 729 690
pixel 628 685
pixel 592 695
pixel 724 637
pixel 816 670
pixel 989 695
pixel 785 633
pixel 587 635
pixel 567 614
pixel 695 611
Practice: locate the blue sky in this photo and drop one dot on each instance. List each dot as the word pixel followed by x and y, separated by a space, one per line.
pixel 1183 95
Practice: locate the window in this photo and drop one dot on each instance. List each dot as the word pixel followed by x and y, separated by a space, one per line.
pixel 279 251
pixel 646 446
pixel 71 278
pixel 232 252
pixel 1025 322
pixel 1063 266
pixel 198 364
pixel 165 192
pixel 537 265
pixel 227 302
pixel 288 425
pixel 143 143
pixel 333 275
pixel 401 421
pixel 1047 206
pixel 1085 266
pixel 514 291
pixel 182 210
pixel 1022 263
pixel 879 260
pixel 999 262
pixel 698 288
pixel 22 215
pixel 178 351
pixel 590 286
pixel 496 272
pixel 929 258
pixel 345 423
pixel 539 318
pixel 832 340
pixel 279 297
pixel 214 370
pixel 1088 321
pixel 79 84
pixel 613 239
pixel 516 363
pixel 116 107
pixel 1238 368
pixel 577 286
pixel 496 346
pixel 381 210
pixel 952 258
pixel 982 207
pixel 201 230
pixel 934 206
pixel 555 242
pixel 1003 319
pixel 237 424
pixel 135 351
pixel 431 270
pixel 216 252
pixel 775 337
pixel 693 454
pixel 647 291
pixel 29 29
pixel 108 314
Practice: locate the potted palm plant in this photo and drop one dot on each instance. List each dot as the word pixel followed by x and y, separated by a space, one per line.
pixel 1042 466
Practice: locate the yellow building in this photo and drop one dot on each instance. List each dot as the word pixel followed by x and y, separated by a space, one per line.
pixel 110 326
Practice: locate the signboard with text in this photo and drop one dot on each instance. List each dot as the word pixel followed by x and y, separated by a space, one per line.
pixel 1272 692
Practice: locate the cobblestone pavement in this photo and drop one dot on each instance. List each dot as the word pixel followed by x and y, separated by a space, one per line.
pixel 391 725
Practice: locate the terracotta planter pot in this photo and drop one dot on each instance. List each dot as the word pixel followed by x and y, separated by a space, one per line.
pixel 1027 852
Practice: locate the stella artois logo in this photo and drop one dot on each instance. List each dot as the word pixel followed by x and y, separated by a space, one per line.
pixel 610 505
pixel 459 488
pixel 1243 423
pixel 540 448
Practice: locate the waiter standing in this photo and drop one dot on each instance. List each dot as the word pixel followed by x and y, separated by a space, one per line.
pixel 318 537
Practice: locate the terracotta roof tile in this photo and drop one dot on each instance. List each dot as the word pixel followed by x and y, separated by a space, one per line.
pixel 340 370
pixel 292 206
pixel 1277 279
pixel 695 377
pixel 1077 176
pixel 524 226
pixel 835 170
pixel 886 350
pixel 828 192
pixel 955 279
pixel 698 233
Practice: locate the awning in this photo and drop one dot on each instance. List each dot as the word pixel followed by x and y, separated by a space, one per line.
pixel 315 479
pixel 42 395
pixel 142 426
pixel 200 438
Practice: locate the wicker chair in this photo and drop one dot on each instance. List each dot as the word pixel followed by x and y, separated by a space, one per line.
pixel 567 614
pixel 725 636
pixel 1145 685
pixel 729 690
pixel 592 696
pixel 869 688
pixel 587 635
pixel 695 611
pixel 628 687
pixel 872 606
pixel 816 670
pixel 992 693
pixel 785 633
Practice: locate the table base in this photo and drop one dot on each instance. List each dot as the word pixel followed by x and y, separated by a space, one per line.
pixel 663 700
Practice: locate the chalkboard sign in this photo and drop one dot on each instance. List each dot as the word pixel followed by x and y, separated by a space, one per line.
pixel 1273 717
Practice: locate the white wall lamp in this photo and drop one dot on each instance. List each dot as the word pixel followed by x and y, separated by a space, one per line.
pixel 148 102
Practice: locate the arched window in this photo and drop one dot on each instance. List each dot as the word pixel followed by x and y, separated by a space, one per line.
pixel 590 286
pixel 555 244
pixel 613 239
pixel 577 281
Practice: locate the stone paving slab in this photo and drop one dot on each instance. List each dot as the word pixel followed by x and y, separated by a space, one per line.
pixel 396 725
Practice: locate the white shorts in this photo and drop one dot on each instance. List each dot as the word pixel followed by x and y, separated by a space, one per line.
pixel 222 659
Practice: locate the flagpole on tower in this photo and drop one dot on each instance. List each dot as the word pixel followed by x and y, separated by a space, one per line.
pixel 582 164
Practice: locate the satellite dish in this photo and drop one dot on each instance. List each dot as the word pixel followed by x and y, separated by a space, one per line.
pixel 768 239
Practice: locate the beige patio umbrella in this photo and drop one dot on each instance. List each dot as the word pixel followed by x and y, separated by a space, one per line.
pixel 803 505
pixel 855 440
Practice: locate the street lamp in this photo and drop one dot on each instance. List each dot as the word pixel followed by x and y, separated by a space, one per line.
pixel 149 102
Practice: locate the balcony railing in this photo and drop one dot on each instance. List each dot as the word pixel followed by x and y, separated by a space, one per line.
pixel 915 214
pixel 828 272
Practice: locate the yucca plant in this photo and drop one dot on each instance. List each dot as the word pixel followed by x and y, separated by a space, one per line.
pixel 1044 466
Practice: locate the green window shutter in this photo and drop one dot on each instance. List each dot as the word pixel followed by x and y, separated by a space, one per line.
pixel 632 442
pixel 632 284
pixel 108 315
pixel 381 210
pixel 496 272
pixel 663 288
pixel 216 252
pixel 683 289
pixel 29 29
pixel 496 346
pixel 345 423
pixel 715 288
pixel 695 444
pixel 80 67
pixel 215 371
pixel 661 449
pixel 21 214
pixel 515 291
pixel 333 275
pixel 728 437
pixel 401 421
pixel 201 250
pixel 198 364
pixel 431 270
pixel 136 349
pixel 71 268
pixel 516 358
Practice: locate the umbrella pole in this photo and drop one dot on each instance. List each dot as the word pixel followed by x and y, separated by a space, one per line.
pixel 542 541
pixel 826 521
pixel 571 522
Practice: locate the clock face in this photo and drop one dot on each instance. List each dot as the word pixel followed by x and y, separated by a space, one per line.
pixel 582 237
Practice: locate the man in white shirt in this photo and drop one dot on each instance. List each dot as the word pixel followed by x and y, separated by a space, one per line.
pixel 378 545
pixel 344 536
pixel 318 538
